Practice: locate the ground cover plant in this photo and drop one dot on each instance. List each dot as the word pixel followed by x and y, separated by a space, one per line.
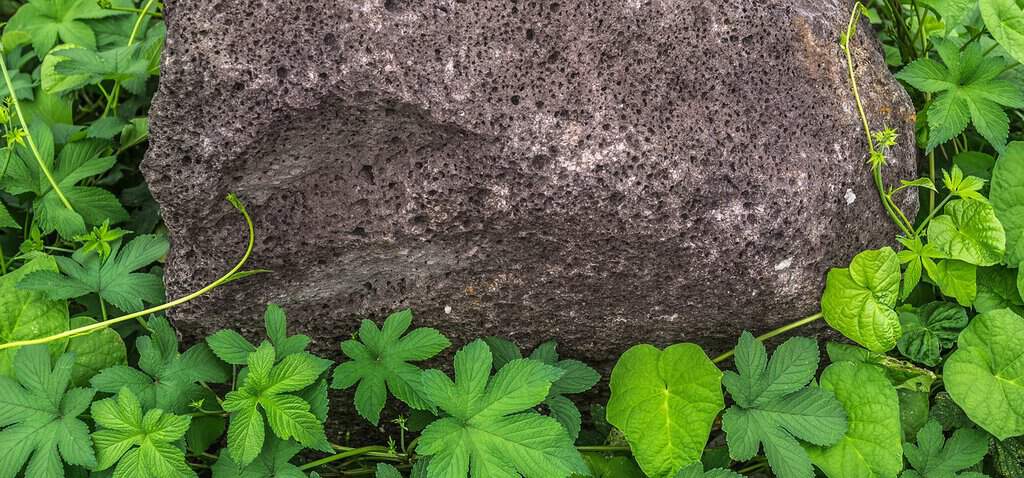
pixel 94 381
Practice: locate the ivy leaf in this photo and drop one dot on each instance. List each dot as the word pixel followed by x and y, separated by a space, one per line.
pixel 997 289
pixel 968 91
pixel 380 363
pixel 696 470
pixel 969 231
pixel 141 446
pixel 272 387
pixel 46 20
pixel 274 461
pixel 929 330
pixel 1005 21
pixel 775 405
pixel 873 444
pixel 956 279
pixel 578 378
pixel 1007 196
pixel 39 417
pixel 167 379
pixel 985 375
pixel 936 457
pixel 653 392
pixel 491 429
pixel 29 315
pixel 115 279
pixel 859 301
pixel 95 351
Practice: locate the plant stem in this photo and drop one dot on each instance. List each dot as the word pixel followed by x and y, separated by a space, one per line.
pixel 116 92
pixel 3 263
pixel 931 214
pixel 135 10
pixel 341 456
pixel 88 329
pixel 772 333
pixel 603 449
pixel 103 309
pixel 28 135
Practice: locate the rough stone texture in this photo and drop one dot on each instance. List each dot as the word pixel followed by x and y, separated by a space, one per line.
pixel 603 172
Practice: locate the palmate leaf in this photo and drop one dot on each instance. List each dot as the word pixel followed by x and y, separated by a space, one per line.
pixel 776 407
pixel 935 457
pixel 272 387
pixel 490 430
pixel 379 363
pixel 653 392
pixel 115 279
pixel 140 445
pixel 578 378
pixel 29 315
pixel 872 446
pixel 123 63
pixel 39 417
pixel 929 330
pixel 274 461
pixel 968 91
pixel 859 301
pixel 985 375
pixel 46 20
pixel 234 349
pixel 167 379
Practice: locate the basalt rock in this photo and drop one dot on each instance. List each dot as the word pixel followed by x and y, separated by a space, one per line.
pixel 601 172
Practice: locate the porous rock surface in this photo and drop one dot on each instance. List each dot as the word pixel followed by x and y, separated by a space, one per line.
pixel 601 172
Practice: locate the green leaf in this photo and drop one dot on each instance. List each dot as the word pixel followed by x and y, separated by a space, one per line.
pixel 956 279
pixel 997 289
pixel 901 374
pixel 967 89
pixel 653 392
pixel 379 362
pixel 929 330
pixel 969 231
pixel 168 379
pixel 953 12
pixel 602 466
pixel 1005 21
pixel 491 428
pixel 1008 457
pixel 975 163
pixel 46 20
pixel 274 320
pixel 859 301
pixel 115 279
pixel 1007 196
pixel 230 346
pixel 53 82
pixel 6 220
pixel 934 456
pixel 273 461
pixel 95 351
pixel 272 387
pixel 28 315
pixel 872 446
pixel 385 470
pixel 696 470
pixel 964 187
pixel 39 417
pixel 578 378
pixel 204 432
pixel 775 406
pixel 985 375
pixel 141 446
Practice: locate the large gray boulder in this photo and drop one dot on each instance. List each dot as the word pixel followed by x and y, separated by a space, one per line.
pixel 598 172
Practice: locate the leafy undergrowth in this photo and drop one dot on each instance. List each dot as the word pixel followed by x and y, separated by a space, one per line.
pixel 94 382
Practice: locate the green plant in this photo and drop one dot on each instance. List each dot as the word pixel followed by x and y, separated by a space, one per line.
pixel 933 388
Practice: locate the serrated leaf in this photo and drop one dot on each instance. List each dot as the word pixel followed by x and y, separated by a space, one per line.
pixel 29 315
pixel 934 457
pixel 94 352
pixel 385 470
pixel 491 430
pixel 859 301
pixel 1007 196
pixel 273 461
pixel 775 406
pixel 929 330
pixel 39 416
pixel 985 375
pixel 379 362
pixel 46 20
pixel 969 231
pixel 139 445
pixel 872 446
